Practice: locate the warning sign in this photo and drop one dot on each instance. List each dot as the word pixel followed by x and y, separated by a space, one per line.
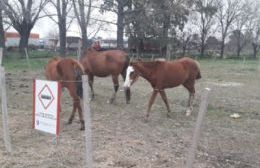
pixel 46 106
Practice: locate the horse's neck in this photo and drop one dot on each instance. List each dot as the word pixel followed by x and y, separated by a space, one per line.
pixel 146 69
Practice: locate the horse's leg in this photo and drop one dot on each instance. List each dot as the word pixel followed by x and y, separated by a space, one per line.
pixel 90 82
pixel 151 101
pixel 78 105
pixel 164 97
pixel 190 87
pixel 127 90
pixel 116 86
pixel 73 111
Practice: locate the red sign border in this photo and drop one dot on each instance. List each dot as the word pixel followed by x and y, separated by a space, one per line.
pixel 51 95
pixel 58 107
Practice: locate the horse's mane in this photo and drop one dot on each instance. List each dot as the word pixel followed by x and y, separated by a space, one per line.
pixel 151 64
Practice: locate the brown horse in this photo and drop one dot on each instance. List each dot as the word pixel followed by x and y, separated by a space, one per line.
pixel 68 72
pixel 103 64
pixel 165 74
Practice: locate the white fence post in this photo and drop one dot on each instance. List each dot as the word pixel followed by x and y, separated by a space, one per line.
pixel 7 140
pixel 1 56
pixel 87 118
pixel 196 134
pixel 27 58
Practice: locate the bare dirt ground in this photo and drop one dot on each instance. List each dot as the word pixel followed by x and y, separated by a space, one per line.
pixel 121 138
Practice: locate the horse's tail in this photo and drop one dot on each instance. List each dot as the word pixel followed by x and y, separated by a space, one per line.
pixel 78 70
pixel 126 63
pixel 127 90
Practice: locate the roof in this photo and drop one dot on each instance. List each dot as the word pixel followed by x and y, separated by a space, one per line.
pixel 17 35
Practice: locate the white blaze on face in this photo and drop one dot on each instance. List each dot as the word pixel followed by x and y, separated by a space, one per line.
pixel 128 81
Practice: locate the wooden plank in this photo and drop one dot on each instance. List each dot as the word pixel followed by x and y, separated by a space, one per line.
pixel 87 118
pixel 7 140
pixel 196 134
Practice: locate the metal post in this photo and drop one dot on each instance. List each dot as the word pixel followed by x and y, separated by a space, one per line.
pixel 196 134
pixel 87 118
pixel 7 140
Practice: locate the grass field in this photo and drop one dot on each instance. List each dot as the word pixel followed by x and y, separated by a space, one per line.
pixel 121 139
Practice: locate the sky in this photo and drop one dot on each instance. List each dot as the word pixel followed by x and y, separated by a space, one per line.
pixel 46 25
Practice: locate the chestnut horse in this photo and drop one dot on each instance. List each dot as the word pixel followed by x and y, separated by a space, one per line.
pixel 165 74
pixel 103 64
pixel 68 72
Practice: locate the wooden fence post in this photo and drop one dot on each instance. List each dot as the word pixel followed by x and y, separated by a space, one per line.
pixel 7 140
pixel 27 58
pixel 87 118
pixel 196 134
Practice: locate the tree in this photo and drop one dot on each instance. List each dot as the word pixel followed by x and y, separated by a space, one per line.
pixel 159 20
pixel 118 7
pixel 2 33
pixel 206 9
pixel 254 28
pixel 23 15
pixel 83 18
pixel 63 8
pixel 242 26
pixel 228 12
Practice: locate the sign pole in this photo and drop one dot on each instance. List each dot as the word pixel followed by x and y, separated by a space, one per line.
pixel 87 118
pixel 196 134
pixel 7 140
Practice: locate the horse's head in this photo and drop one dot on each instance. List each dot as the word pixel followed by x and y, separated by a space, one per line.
pixel 96 46
pixel 131 75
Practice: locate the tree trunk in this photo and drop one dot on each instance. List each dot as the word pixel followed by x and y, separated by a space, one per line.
pixel 238 51
pixel 255 50
pixel 222 48
pixel 184 48
pixel 84 39
pixel 24 39
pixel 202 47
pixel 165 40
pixel 120 25
pixel 2 33
pixel 62 34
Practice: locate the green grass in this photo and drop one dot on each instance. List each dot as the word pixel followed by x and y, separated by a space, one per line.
pixel 13 61
pixel 37 60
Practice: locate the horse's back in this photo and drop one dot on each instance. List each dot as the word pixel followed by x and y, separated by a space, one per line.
pixel 104 63
pixel 50 69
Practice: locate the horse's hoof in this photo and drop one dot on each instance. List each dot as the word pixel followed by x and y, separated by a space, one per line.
pixel 82 128
pixel 188 112
pixel 110 101
pixel 146 119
